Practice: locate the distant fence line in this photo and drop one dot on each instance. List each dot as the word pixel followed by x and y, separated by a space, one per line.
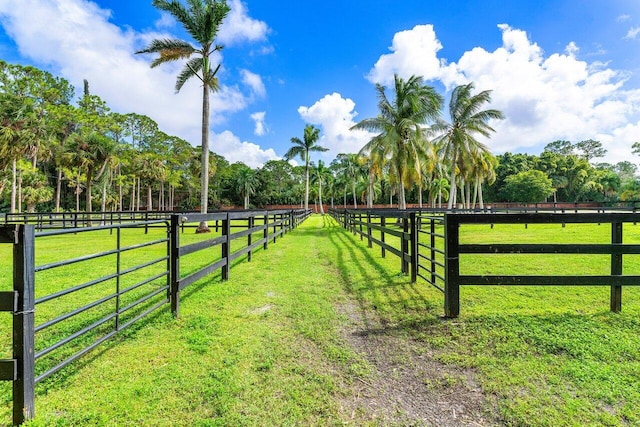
pixel 137 291
pixel 430 246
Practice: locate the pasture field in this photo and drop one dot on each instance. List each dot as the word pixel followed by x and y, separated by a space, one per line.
pixel 268 347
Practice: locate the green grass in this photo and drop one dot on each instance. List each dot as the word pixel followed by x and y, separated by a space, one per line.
pixel 264 348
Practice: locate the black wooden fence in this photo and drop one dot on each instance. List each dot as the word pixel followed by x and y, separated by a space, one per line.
pixel 142 277
pixel 430 247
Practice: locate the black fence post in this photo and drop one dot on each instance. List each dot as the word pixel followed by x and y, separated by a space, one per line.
pixel 413 223
pixel 265 233
pixel 432 231
pixel 369 242
pixel 404 244
pixel 383 224
pixel 174 238
pixel 616 266
pixel 23 324
pixel 452 263
pixel 249 238
pixel 226 246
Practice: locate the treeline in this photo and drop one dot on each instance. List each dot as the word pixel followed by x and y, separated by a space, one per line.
pixel 59 152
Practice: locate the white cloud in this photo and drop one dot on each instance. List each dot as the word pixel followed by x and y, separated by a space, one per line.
pixel 238 26
pixel 543 97
pixel 254 81
pixel 414 53
pixel 229 145
pixel 165 21
pixel 260 128
pixel 632 34
pixel 623 18
pixel 335 115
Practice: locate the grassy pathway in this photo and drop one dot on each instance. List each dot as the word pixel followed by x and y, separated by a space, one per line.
pixel 319 330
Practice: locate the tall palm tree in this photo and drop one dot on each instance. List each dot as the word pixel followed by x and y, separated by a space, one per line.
pixel 321 175
pixel 302 148
pixel 201 19
pixel 458 137
pixel 400 124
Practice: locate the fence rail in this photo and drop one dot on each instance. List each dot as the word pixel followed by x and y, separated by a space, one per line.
pixel 430 246
pixel 135 279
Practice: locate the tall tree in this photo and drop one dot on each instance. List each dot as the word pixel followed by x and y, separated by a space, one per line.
pixel 302 148
pixel 400 124
pixel 201 19
pixel 459 143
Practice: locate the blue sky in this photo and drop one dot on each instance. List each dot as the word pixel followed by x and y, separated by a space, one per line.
pixel 558 69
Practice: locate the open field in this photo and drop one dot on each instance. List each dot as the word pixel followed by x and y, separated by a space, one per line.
pixel 319 330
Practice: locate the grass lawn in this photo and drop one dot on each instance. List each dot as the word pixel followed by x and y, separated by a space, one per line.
pixel 267 347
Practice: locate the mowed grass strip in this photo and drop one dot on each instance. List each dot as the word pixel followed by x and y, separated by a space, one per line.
pixel 259 349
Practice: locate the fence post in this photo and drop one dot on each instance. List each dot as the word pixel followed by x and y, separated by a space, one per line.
pixel 433 250
pixel 23 324
pixel 265 232
pixel 226 246
pixel 249 238
pixel 369 242
pixel 414 246
pixel 383 224
pixel 616 266
pixel 174 255
pixel 404 245
pixel 452 263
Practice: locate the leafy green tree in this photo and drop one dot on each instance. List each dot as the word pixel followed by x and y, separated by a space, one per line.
pixel 201 19
pixel 590 149
pixel 458 137
pixel 400 126
pixel 531 186
pixel 302 148
pixel 563 148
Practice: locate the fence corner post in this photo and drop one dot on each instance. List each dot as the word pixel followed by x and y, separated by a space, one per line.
pixel 452 267
pixel 23 324
pixel 174 254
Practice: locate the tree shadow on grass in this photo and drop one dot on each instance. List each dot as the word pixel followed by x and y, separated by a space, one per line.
pixel 397 303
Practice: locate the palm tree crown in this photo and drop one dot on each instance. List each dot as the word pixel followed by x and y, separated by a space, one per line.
pixel 459 144
pixel 201 19
pixel 302 148
pixel 400 124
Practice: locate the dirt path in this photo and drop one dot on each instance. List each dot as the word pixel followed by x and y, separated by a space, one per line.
pixel 408 387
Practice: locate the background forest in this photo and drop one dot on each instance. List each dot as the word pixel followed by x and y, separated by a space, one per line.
pixel 62 152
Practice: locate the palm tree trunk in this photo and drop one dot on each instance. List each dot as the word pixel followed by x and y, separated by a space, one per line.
pixel 149 198
pixel 88 193
pixel 480 195
pixel 78 193
pixel 306 183
pixel 353 189
pixel 320 196
pixel 58 189
pixel 204 197
pixel 138 194
pixel 19 192
pixel 132 203
pixel 453 190
pixel 420 196
pixel 13 185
